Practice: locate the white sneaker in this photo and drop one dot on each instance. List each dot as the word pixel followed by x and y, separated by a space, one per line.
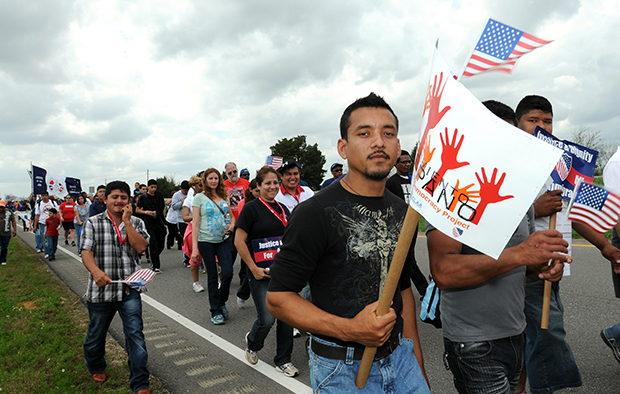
pixel 296 333
pixel 288 369
pixel 46 256
pixel 198 287
pixel 240 302
pixel 251 355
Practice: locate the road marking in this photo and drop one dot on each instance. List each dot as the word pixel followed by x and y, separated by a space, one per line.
pixel 262 367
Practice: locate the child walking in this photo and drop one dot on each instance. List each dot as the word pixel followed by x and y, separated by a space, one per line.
pixel 52 223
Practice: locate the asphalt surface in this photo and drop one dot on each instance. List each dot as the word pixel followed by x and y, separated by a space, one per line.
pixel 192 355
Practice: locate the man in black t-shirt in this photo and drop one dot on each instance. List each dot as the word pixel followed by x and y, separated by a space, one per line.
pixel 342 241
pixel 151 207
pixel 400 184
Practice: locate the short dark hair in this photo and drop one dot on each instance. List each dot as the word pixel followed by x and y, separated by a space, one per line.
pixel 152 182
pixel 501 110
pixel 371 101
pixel 44 193
pixel 402 153
pixel 101 187
pixel 533 102
pixel 142 185
pixel 117 185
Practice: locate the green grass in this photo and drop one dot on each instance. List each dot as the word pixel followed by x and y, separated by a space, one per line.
pixel 42 328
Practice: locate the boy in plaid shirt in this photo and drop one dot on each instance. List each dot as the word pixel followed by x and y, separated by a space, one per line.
pixel 111 243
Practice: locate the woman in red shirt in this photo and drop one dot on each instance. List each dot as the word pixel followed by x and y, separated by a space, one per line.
pixel 67 214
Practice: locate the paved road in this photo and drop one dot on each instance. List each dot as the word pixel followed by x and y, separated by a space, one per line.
pixel 192 355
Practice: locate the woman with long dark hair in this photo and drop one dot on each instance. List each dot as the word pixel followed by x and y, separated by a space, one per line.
pixel 81 214
pixel 258 236
pixel 213 223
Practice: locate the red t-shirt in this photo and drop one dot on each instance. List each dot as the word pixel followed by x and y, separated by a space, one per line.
pixel 68 214
pixel 236 193
pixel 52 225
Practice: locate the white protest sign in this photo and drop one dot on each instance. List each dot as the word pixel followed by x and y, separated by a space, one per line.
pixel 475 175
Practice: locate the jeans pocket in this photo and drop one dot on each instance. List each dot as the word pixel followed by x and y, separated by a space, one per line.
pixel 323 370
pixel 473 350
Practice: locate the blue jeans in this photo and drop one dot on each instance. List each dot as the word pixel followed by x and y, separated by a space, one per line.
pixel 549 361
pixel 78 233
pixel 101 315
pixel 397 373
pixel 39 236
pixel 4 246
pixel 52 245
pixel 264 321
pixel 486 367
pixel 208 251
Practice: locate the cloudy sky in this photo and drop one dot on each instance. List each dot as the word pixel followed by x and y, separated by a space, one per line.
pixel 104 89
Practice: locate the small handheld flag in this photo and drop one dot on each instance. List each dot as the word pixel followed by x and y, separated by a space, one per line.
pixel 274 162
pixel 139 278
pixel 595 207
pixel 499 48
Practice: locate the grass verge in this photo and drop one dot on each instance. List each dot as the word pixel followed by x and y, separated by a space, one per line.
pixel 42 328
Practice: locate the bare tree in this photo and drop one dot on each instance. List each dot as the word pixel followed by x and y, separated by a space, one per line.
pixel 587 137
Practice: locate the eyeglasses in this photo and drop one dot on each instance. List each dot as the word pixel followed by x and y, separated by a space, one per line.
pixel 232 172
pixel 337 170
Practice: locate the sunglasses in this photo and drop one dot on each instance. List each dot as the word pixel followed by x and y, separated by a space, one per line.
pixel 232 172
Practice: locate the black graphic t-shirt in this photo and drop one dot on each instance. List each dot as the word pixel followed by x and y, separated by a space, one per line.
pixel 343 245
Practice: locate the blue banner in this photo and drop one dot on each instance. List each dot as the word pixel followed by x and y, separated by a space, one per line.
pixel 55 185
pixel 576 165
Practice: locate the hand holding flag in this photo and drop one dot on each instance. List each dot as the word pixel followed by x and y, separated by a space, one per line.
pixel 139 278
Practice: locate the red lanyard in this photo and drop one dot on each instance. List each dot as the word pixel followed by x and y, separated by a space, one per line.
pixel 282 217
pixel 118 232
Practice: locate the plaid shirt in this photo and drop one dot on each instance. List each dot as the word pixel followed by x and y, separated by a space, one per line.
pixel 116 260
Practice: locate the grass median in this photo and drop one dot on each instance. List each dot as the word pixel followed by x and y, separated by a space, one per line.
pixel 42 328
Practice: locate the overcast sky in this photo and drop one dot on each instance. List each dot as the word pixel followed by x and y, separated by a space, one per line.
pixel 104 90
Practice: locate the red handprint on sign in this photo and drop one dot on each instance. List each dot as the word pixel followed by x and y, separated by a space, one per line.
pixel 458 193
pixel 450 149
pixel 427 154
pixel 489 192
pixel 432 103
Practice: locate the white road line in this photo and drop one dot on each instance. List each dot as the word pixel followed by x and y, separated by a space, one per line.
pixel 262 367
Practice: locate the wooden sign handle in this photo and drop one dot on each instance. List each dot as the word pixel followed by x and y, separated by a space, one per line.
pixel 407 233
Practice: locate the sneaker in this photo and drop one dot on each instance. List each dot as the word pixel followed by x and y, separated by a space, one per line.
pixel 296 333
pixel 240 302
pixel 250 355
pixel 288 369
pixel 157 271
pixel 611 344
pixel 39 250
pixel 217 319
pixel 4 263
pixel 46 256
pixel 225 312
pixel 66 242
pixel 72 243
pixel 51 258
pixel 197 287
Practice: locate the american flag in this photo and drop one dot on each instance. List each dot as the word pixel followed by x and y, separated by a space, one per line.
pixel 140 277
pixel 595 207
pixel 499 48
pixel 564 165
pixel 274 162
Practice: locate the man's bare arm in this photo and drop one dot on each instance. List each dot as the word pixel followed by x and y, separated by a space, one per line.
pixel 101 278
pixel 365 328
pixel 451 269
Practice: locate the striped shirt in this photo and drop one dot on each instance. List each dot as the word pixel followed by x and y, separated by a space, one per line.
pixel 116 260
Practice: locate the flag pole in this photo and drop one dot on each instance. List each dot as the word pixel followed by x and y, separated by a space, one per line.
pixel 391 282
pixel 544 322
pixel 458 78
